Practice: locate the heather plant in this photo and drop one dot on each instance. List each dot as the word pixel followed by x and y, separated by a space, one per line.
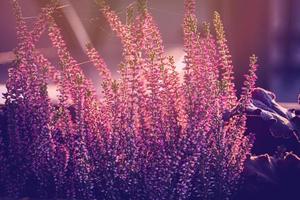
pixel 152 135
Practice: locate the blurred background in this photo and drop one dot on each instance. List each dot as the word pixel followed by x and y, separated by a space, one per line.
pixel 269 28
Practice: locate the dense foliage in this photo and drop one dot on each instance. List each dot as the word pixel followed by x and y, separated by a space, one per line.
pixel 153 135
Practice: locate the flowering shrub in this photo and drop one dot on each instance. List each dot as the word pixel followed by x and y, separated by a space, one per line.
pixel 151 136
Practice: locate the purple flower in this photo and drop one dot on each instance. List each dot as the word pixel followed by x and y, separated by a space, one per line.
pixel 151 136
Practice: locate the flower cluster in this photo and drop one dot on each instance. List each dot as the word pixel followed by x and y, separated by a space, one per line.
pixel 151 136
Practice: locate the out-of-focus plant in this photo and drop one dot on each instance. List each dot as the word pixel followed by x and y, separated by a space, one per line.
pixel 151 136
